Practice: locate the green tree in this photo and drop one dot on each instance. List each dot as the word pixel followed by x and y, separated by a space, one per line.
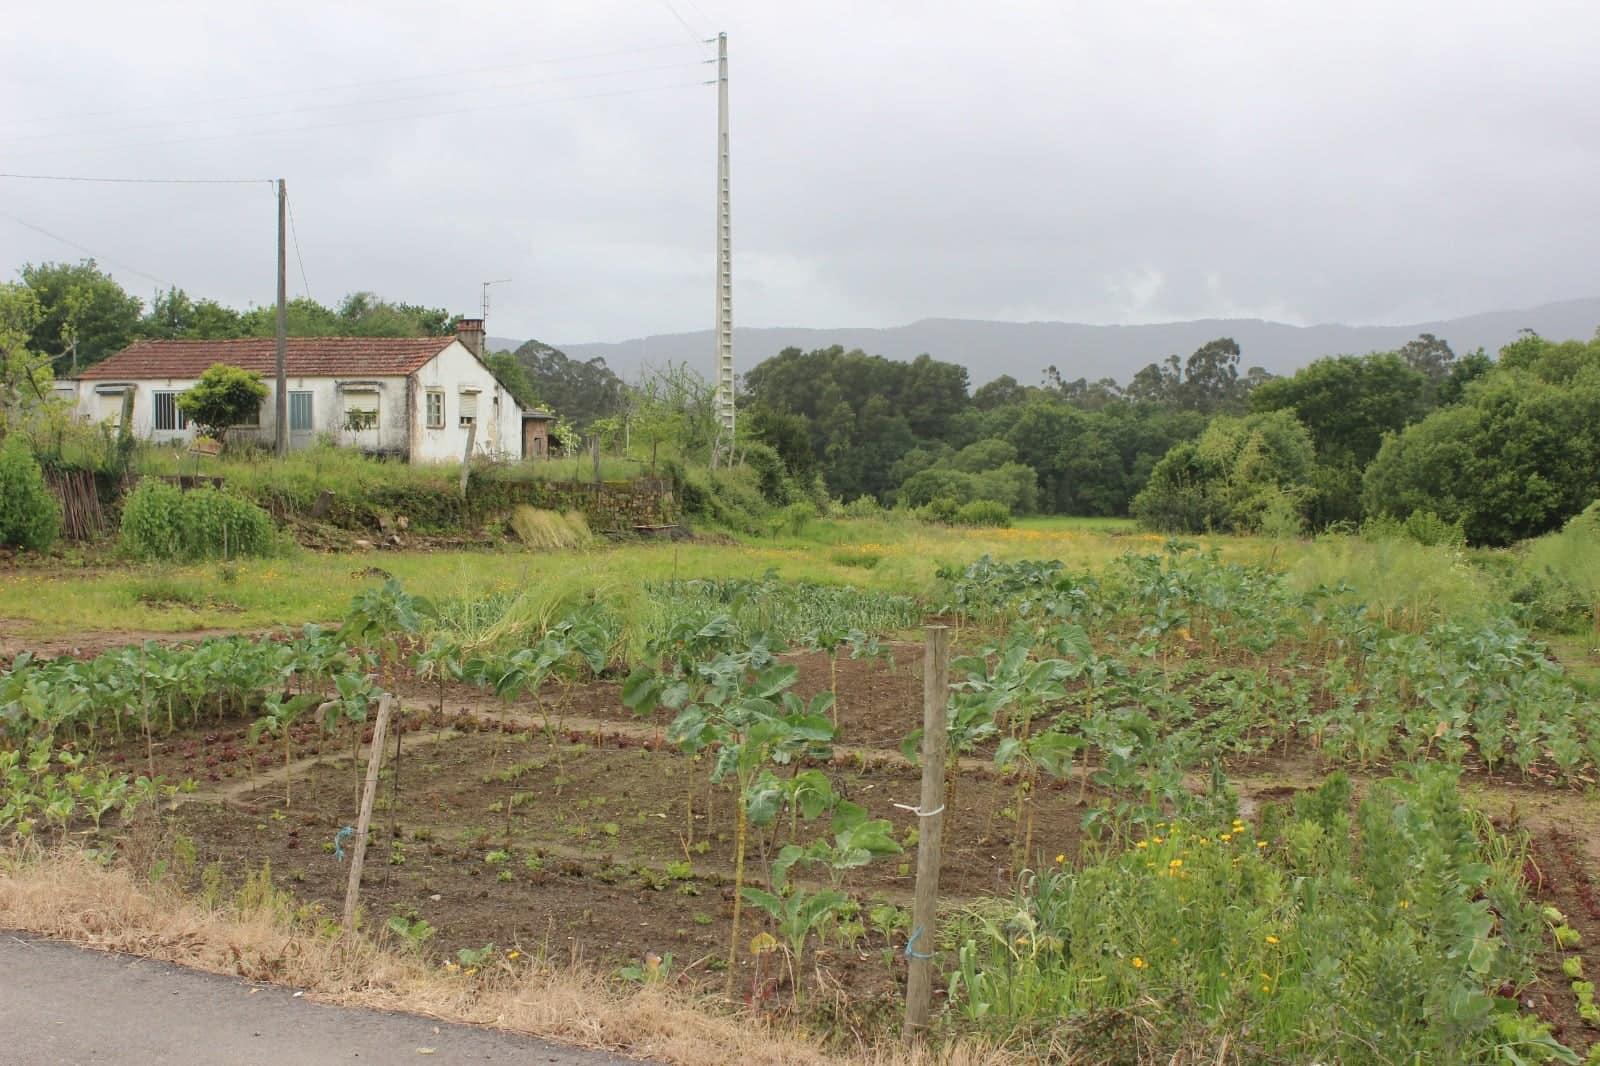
pixel 1240 473
pixel 1430 357
pixel 510 373
pixel 1516 458
pixel 24 373
pixel 224 397
pixel 174 316
pixel 1348 403
pixel 30 517
pixel 84 314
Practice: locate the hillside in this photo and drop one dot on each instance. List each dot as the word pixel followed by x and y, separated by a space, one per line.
pixel 1023 349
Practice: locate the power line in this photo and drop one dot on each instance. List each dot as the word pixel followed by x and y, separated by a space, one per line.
pixel 383 100
pixel 520 64
pixel 138 181
pixel 295 237
pixel 124 146
pixel 90 252
pixel 682 22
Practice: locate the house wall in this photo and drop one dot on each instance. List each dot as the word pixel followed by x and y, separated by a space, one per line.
pixel 328 401
pixel 454 372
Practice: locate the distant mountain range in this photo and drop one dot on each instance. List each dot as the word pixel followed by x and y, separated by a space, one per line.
pixel 1023 349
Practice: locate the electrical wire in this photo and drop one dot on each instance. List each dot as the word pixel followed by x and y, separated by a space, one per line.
pixel 682 22
pixel 382 100
pixel 139 181
pixel 125 146
pixel 89 251
pixel 520 64
pixel 294 235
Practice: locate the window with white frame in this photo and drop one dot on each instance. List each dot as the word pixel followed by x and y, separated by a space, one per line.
pixel 435 408
pixel 168 415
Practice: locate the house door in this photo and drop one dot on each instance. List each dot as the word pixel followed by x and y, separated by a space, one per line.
pixel 300 423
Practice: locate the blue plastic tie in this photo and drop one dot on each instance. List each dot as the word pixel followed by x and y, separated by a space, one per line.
pixel 338 841
pixel 910 954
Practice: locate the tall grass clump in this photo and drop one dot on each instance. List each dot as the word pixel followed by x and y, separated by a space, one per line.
pixel 1560 574
pixel 30 517
pixel 550 530
pixel 1402 582
pixel 162 523
pixel 1297 941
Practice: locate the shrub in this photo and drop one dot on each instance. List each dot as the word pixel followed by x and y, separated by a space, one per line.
pixel 1516 459
pixel 983 513
pixel 224 397
pixel 794 518
pixel 862 507
pixel 30 517
pixel 163 523
pixel 1236 477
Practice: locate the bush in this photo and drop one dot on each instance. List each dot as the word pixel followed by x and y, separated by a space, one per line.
pixel 862 507
pixel 1516 459
pixel 1421 527
pixel 1241 475
pixel 30 517
pixel 224 397
pixel 990 513
pixel 163 523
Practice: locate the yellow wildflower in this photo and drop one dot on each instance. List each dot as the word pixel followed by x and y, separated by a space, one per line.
pixel 1061 859
pixel 1138 963
pixel 1175 863
pixel 1142 844
pixel 1271 939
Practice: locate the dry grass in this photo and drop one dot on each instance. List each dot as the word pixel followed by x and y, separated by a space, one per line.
pixel 69 896
pixel 551 530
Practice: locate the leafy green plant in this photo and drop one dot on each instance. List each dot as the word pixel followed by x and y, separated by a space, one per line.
pixel 30 517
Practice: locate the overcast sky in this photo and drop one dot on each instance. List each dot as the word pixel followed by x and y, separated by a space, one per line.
pixel 1118 161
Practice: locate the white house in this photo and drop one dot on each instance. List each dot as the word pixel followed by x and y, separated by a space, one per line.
pixel 413 397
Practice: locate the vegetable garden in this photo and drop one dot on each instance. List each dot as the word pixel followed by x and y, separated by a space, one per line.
pixel 1192 812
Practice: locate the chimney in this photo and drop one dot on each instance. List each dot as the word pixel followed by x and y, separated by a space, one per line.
pixel 470 333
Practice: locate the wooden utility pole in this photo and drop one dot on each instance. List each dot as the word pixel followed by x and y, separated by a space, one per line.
pixel 281 403
pixel 369 793
pixel 930 831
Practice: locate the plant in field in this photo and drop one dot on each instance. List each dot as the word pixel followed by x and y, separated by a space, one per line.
pixel 797 914
pixel 412 931
pixel 745 712
pixel 1303 937
pixel 279 720
pixel 30 517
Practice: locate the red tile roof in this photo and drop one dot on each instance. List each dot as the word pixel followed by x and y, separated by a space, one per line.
pixel 307 357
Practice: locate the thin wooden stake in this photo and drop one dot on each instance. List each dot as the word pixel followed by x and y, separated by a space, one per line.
pixel 930 832
pixel 358 854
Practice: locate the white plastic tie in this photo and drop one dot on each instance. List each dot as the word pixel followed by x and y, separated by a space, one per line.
pixel 919 812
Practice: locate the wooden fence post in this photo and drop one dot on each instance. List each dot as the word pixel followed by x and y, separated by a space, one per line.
pixel 369 792
pixel 930 831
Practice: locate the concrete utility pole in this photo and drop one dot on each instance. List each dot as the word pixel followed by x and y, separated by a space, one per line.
pixel 281 405
pixel 724 333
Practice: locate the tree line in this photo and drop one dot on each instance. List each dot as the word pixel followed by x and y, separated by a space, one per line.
pixel 1502 448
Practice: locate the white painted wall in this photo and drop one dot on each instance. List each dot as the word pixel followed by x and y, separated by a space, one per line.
pixel 455 371
pixel 96 404
pixel 402 410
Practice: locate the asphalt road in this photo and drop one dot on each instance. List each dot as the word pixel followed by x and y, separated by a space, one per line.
pixel 62 1006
